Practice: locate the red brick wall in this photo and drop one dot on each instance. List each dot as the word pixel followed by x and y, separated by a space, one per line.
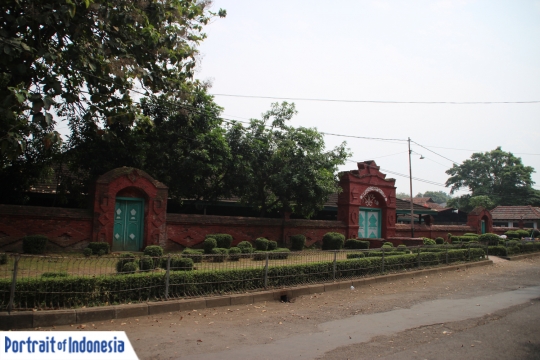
pixel 433 231
pixel 67 229
pixel 190 230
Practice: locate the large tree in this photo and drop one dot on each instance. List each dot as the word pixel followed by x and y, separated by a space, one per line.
pixel 282 168
pixel 495 177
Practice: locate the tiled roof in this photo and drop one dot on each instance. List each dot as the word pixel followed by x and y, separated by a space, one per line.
pixel 515 213
pixel 406 205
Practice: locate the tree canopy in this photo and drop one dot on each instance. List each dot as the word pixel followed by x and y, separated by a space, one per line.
pixel 494 178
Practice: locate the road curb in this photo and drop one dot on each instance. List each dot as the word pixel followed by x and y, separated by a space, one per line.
pixel 33 319
pixel 523 256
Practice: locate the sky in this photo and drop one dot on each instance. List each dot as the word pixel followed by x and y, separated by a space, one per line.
pixel 407 51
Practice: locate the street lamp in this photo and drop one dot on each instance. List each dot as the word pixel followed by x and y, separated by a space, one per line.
pixel 410 186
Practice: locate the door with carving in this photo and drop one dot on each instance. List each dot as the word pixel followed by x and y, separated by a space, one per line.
pixel 369 223
pixel 128 224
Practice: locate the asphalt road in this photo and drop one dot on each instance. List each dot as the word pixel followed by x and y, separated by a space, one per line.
pixel 490 312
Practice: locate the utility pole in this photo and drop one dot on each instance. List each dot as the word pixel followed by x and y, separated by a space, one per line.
pixel 410 188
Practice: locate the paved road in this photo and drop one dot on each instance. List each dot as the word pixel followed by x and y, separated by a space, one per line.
pixel 490 312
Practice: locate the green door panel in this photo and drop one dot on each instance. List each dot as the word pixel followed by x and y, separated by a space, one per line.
pixel 483 223
pixel 369 223
pixel 128 224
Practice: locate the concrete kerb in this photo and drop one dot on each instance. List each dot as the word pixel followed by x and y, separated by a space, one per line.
pixel 33 319
pixel 522 256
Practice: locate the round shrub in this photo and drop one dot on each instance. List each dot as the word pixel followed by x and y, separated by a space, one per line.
pixel 130 267
pixel 34 244
pixel 523 233
pixel 298 242
pixel 153 251
pixel 402 246
pixel 272 245
pixel 355 256
pixel 490 239
pixel 53 275
pixel 439 241
pixel 224 241
pixel 388 243
pixel 235 253
pixel 245 247
pixel 428 241
pixel 356 244
pixel 333 241
pixel 195 255
pixel 259 255
pixel 97 246
pixel 209 244
pixel 87 252
pixel 469 234
pixel 146 263
pixel 3 259
pixel 511 234
pixel 181 264
pixel 124 259
pixel 101 252
pixel 536 233
pixel 261 244
pixel 279 254
pixel 220 254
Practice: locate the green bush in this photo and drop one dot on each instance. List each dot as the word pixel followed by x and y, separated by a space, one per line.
pixel 388 243
pixel 523 233
pixel 333 241
pixel 153 251
pixel 87 252
pixel 272 245
pixel 470 234
pixel 463 239
pixel 279 254
pixel 51 274
pixel 124 259
pixel 536 233
pixel 401 246
pixel 261 244
pixel 146 263
pixel 489 239
pixel 235 253
pixel 97 246
pixel 428 241
pixel 101 252
pixel 193 254
pixel 259 255
pixel 209 244
pixel 220 254
pixel 245 247
pixel 511 234
pixel 34 244
pixel 439 241
pixel 3 259
pixel 178 263
pixel 497 250
pixel 298 242
pixel 355 256
pixel 130 267
pixel 223 241
pixel 356 244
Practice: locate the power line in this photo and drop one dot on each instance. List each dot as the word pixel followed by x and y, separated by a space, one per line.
pixel 381 101
pixel 449 148
pixel 444 157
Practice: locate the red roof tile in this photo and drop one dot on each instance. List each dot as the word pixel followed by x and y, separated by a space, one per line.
pixel 515 213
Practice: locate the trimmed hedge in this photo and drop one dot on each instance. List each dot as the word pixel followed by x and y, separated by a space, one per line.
pixel 209 244
pixel 388 243
pixel 490 239
pixel 333 241
pixel 178 263
pixel 48 275
pixel 356 256
pixel 428 241
pixel 462 239
pixel 356 244
pixel 220 254
pixel 497 250
pixel 153 251
pixel 193 254
pixel 235 253
pixel 147 263
pixel 511 234
pixel 272 245
pixel 223 241
pixel 245 247
pixel 298 242
pixel 439 241
pixel 87 252
pixel 124 259
pixel 34 244
pixel 261 244
pixel 130 267
pixel 98 247
pixel 74 291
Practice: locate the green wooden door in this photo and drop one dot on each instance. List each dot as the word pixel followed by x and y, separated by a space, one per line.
pixel 128 224
pixel 369 223
pixel 483 224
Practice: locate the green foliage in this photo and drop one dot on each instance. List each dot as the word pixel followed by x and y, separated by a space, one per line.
pixel 401 246
pixel 298 242
pixel 261 244
pixel 283 168
pixel 355 256
pixel 235 253
pixel 428 241
pixel 50 275
pixel 130 267
pixel 497 250
pixel 272 245
pixel 388 243
pixel 245 246
pixel 220 254
pixel 438 196
pixel 387 247
pixel 87 252
pixel 209 244
pixel 223 241
pixel 195 255
pixel 463 239
pixel 523 233
pixel 178 263
pixel 153 251
pixel 279 254
pixel 439 241
pixel 469 234
pixel 494 178
pixel 3 259
pixel 34 244
pixel 356 244
pixel 124 259
pixel 489 239
pixel 97 246
pixel 511 234
pixel 333 241
pixel 146 263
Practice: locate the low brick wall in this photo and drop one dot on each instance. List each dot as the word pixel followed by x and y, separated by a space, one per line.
pixel 433 231
pixel 190 230
pixel 67 229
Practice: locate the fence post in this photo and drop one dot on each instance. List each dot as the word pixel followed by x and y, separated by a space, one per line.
pixel 469 245
pixel 382 262
pixel 446 247
pixel 266 272
pixel 487 251
pixel 334 268
pixel 13 282
pixel 418 257
pixel 167 277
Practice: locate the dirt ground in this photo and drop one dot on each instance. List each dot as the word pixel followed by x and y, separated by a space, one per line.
pixel 207 331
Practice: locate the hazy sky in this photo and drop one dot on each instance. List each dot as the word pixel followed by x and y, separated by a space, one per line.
pixel 387 50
